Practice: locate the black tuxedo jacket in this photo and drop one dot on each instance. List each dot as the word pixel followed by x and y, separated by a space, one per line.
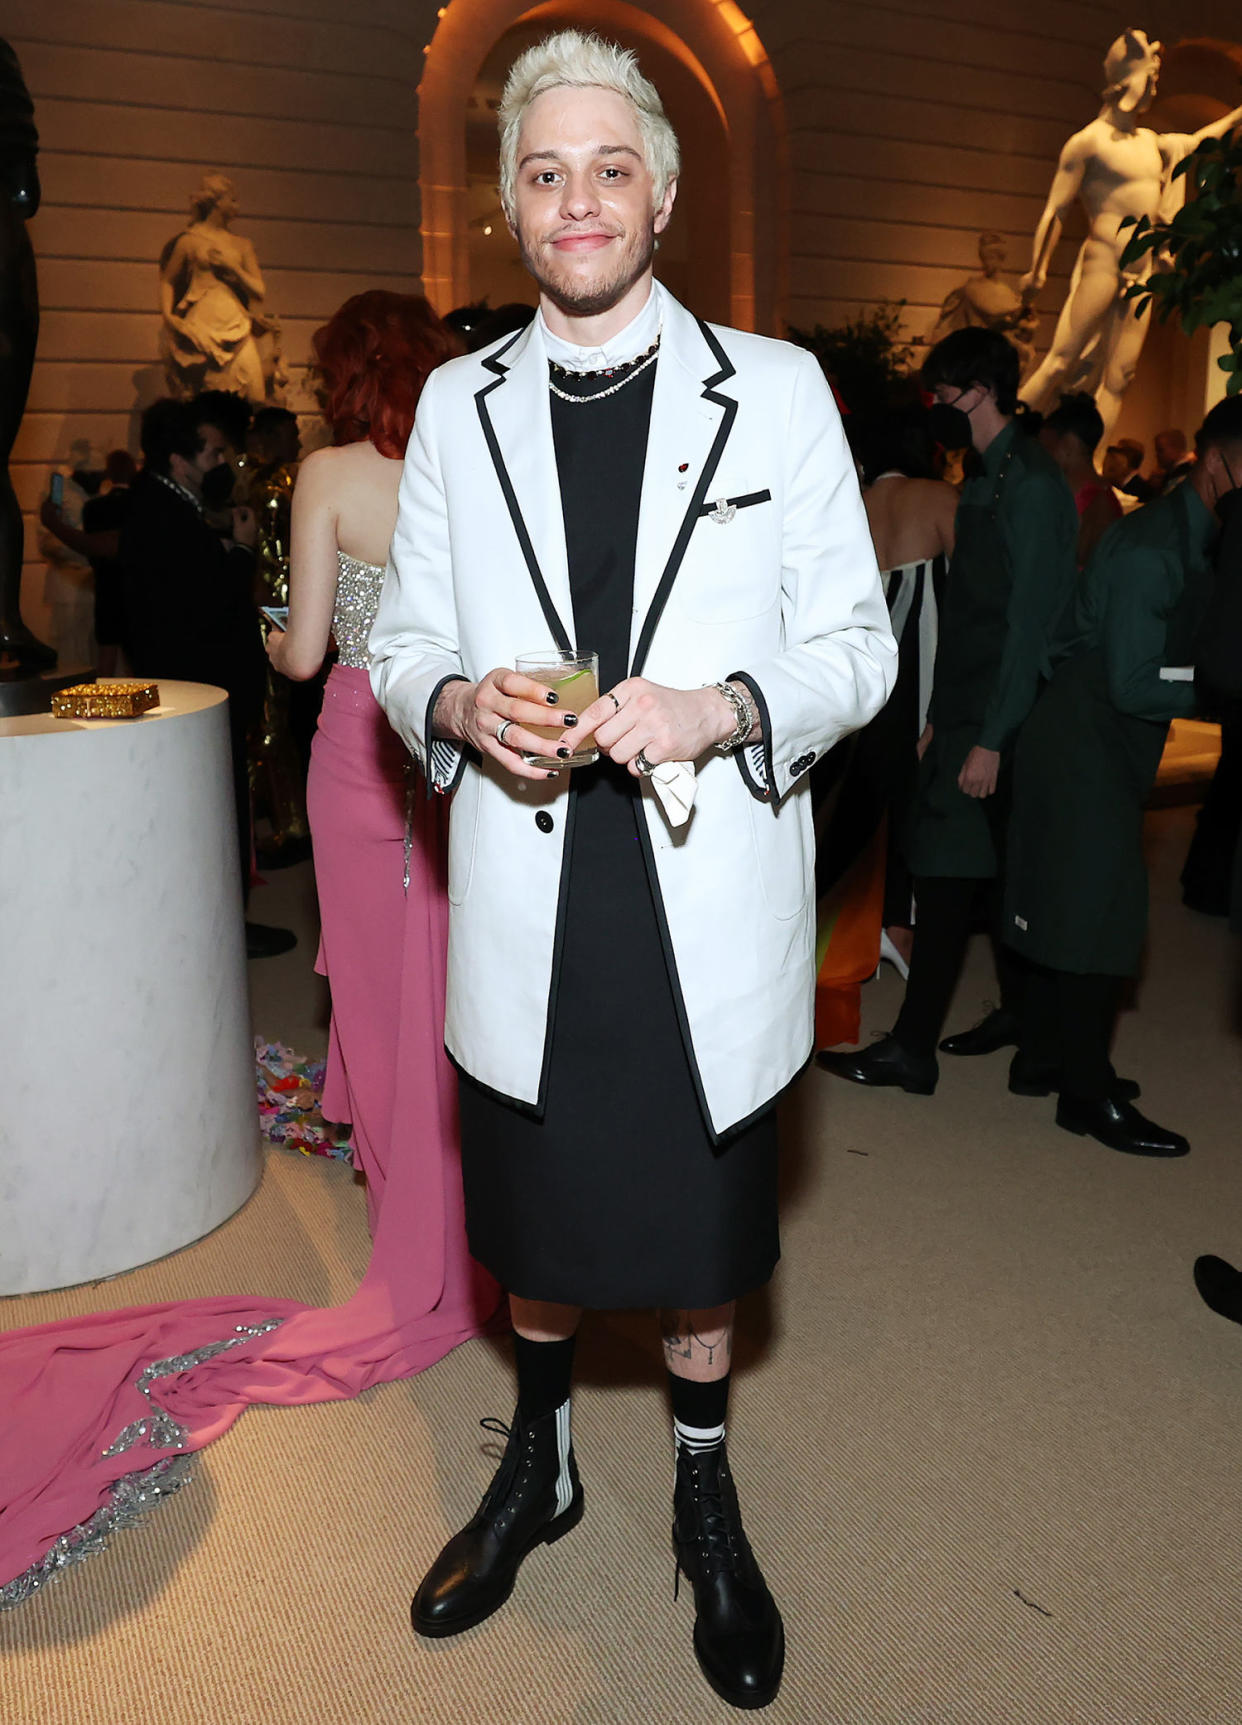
pixel 189 609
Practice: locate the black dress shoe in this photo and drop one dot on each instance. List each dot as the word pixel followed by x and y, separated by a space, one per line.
pixel 1029 1078
pixel 1119 1125
pixel 739 1639
pixel 534 1499
pixel 998 1030
pixel 886 1062
pixel 263 941
pixel 1221 1286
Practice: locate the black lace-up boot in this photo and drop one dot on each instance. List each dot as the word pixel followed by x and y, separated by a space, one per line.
pixel 738 1635
pixel 535 1497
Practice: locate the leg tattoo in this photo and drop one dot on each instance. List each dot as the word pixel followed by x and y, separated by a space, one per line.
pixel 698 1344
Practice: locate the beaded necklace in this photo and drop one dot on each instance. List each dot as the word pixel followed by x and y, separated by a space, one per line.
pixel 631 368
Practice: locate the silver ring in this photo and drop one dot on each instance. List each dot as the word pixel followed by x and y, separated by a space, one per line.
pixel 501 730
pixel 613 699
pixel 644 766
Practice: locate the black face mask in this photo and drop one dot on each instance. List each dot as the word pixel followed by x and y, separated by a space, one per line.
pixel 217 487
pixel 1228 502
pixel 949 426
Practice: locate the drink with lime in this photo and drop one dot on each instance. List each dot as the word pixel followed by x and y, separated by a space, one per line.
pixel 575 677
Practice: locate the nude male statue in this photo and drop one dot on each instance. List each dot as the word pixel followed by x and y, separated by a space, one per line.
pixel 1117 168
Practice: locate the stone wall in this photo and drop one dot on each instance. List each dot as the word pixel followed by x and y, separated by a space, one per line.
pixel 910 127
pixel 309 105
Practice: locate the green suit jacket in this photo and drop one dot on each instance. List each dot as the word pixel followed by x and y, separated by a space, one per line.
pixel 1076 882
pixel 1011 577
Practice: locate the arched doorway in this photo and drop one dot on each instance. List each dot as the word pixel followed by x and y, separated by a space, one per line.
pixel 726 251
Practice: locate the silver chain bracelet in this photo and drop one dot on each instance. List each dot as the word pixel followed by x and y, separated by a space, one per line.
pixel 743 713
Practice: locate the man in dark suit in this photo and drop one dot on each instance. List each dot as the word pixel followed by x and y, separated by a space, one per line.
pixel 189 608
pixel 1012 574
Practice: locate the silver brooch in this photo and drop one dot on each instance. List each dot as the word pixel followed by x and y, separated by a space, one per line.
pixel 722 512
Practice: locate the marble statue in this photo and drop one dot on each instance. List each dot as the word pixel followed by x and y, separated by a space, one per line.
pixel 1116 168
pixel 19 333
pixel 988 301
pixel 216 334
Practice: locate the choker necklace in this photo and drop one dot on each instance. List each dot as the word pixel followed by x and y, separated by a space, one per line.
pixel 631 368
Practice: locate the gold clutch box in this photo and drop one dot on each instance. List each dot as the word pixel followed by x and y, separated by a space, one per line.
pixel 117 700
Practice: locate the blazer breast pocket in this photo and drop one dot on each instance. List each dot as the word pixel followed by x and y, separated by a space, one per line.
pixel 732 566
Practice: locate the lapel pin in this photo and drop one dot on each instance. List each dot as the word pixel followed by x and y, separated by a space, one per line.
pixel 723 512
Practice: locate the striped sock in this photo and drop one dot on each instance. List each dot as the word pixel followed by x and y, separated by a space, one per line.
pixel 698 1413
pixel 564 1479
pixel 698 1438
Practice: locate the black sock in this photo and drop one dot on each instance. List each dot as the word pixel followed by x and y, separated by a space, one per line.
pixel 698 1412
pixel 544 1371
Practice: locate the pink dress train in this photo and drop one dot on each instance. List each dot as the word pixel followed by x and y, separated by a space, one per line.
pixel 100 1412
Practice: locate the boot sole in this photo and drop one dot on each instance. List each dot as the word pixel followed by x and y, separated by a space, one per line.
pixel 437 1629
pixel 747 1700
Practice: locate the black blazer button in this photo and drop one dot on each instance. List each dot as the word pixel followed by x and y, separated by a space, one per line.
pixel 543 820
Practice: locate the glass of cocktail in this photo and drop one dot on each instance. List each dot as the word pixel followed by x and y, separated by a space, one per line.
pixel 575 677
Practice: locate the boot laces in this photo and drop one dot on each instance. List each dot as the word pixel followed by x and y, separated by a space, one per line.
pixel 503 1479
pixel 717 1530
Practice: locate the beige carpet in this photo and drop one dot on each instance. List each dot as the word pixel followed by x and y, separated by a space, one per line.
pixel 986 1433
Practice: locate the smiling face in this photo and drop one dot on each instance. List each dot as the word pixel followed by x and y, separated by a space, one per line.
pixel 586 218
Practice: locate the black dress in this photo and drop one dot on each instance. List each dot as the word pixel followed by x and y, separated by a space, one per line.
pixel 617 1197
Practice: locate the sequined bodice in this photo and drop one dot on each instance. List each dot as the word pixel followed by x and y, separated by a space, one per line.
pixel 357 600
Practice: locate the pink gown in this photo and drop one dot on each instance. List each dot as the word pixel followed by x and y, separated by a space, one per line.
pixel 101 1412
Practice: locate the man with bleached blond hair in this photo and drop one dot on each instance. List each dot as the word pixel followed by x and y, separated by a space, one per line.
pixel 630 969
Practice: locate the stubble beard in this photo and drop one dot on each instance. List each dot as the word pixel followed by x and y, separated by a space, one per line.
pixel 591 299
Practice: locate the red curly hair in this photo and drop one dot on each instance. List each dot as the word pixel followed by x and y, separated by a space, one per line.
pixel 372 358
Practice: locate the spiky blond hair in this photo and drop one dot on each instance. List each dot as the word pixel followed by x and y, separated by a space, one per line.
pixel 574 59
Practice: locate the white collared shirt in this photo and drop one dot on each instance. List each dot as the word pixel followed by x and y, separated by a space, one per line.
pixel 620 349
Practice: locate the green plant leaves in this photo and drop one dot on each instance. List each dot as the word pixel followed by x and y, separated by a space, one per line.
pixel 1196 257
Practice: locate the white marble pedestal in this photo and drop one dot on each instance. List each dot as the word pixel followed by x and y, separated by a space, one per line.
pixel 128 1121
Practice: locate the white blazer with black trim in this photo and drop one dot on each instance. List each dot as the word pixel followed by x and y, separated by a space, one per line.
pixel 780 588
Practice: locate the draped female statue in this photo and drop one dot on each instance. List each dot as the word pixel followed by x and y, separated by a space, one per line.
pixel 211 300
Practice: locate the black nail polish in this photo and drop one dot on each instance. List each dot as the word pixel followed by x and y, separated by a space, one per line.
pixel 552 698
pixel 570 718
pixel 554 775
pixel 563 753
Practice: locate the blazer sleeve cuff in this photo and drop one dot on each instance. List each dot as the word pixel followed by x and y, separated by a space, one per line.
pixel 754 760
pixel 446 759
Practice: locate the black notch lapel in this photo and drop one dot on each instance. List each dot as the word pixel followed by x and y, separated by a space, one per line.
pixel 551 614
pixel 694 507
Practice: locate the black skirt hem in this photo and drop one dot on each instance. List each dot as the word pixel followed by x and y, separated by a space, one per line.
pixel 628 1300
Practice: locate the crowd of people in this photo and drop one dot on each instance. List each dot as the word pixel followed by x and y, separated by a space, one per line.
pixel 1068 634
pixel 562 1018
